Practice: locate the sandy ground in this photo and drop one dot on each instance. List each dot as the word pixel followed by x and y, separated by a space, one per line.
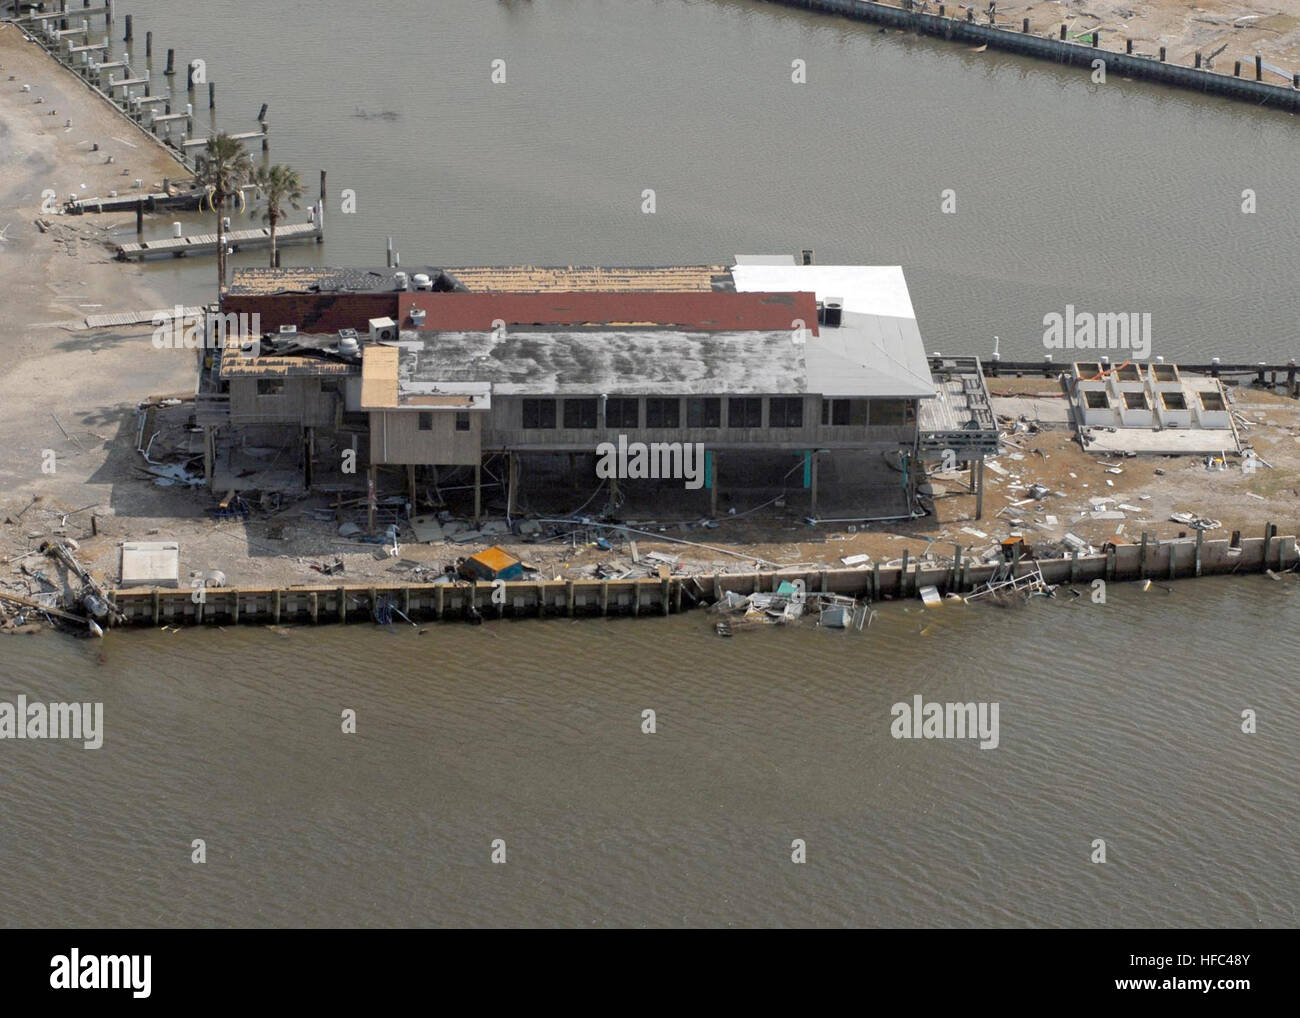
pixel 69 395
pixel 1272 30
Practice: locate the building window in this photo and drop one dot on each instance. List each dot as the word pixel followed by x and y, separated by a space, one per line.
pixel 888 413
pixel 462 421
pixel 835 412
pixel 539 413
pixel 579 413
pixel 270 386
pixel 704 412
pixel 745 412
pixel 622 412
pixel 785 412
pixel 663 413
pixel 329 386
pixel 426 420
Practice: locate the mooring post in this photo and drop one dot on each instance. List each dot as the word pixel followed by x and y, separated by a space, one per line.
pixel 171 62
pixel 1173 560
pixel 1063 33
pixel 875 581
pixel 322 180
pixel 1162 54
pixel 1198 59
pixel 1236 68
pixel 1142 560
pixel 126 36
pixel 343 604
pixel 1110 562
pixel 139 217
pixel 108 12
pixel 148 44
pixel 212 96
pixel 1074 565
pixel 902 577
pixel 956 565
pixel 1259 67
pixel 1128 46
pixel 1200 539
pixel 1094 40
pixel 1026 26
pixel 1269 532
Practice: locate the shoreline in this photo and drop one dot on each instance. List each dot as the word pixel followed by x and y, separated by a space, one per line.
pixel 1028 31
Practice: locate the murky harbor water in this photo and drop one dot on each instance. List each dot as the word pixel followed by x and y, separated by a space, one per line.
pixel 1119 722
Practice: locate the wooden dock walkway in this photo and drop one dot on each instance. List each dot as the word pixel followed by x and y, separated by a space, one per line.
pixel 136 317
pixel 206 243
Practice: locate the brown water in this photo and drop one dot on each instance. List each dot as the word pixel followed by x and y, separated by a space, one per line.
pixel 1118 722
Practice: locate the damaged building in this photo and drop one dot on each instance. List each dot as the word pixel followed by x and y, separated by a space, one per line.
pixel 787 376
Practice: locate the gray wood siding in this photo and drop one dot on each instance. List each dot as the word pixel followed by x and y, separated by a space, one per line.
pixel 302 403
pixel 395 437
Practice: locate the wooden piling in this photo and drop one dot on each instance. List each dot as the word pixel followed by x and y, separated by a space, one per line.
pixel 171 63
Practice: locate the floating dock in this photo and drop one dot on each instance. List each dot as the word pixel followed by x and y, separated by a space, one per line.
pixel 1170 559
pixel 206 243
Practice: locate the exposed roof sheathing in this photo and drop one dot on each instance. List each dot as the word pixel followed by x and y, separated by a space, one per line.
pixel 711 311
pixel 533 278
pixel 379 377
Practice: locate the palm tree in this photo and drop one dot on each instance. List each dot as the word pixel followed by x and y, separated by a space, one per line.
pixel 225 169
pixel 278 185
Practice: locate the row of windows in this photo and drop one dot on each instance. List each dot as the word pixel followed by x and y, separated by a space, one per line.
pixel 706 412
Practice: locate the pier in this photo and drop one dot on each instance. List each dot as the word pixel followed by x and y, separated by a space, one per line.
pixel 206 243
pixel 67 36
pixel 1150 559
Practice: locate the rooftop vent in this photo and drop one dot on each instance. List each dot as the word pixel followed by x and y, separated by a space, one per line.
pixel 417 317
pixel 383 330
pixel 399 280
pixel 288 330
pixel 422 281
pixel 834 312
pixel 349 345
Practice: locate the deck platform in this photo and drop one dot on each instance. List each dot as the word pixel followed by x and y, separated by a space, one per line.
pixel 206 243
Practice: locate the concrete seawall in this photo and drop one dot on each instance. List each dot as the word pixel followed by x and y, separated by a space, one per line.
pixel 1178 558
pixel 1053 46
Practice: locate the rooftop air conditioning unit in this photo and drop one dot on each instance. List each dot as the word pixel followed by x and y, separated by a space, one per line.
pixel 422 281
pixel 399 280
pixel 383 330
pixel 417 317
